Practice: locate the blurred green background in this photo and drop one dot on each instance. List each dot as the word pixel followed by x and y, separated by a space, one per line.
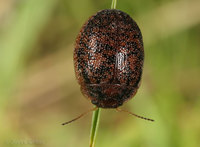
pixel 38 89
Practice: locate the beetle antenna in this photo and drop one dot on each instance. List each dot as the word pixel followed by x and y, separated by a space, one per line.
pixel 83 114
pixel 120 110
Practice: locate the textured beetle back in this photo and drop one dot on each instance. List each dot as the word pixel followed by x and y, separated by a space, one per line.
pixel 108 58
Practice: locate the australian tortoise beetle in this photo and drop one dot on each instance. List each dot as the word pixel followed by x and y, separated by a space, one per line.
pixel 108 59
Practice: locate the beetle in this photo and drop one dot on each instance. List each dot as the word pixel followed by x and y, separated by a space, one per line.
pixel 108 58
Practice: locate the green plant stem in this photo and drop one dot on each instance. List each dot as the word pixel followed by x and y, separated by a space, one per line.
pixel 96 113
pixel 94 128
pixel 114 3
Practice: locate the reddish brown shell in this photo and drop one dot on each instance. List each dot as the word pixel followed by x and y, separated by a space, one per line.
pixel 108 58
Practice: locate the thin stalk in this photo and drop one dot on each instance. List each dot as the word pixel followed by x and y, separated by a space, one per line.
pixel 114 3
pixel 96 113
pixel 94 128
